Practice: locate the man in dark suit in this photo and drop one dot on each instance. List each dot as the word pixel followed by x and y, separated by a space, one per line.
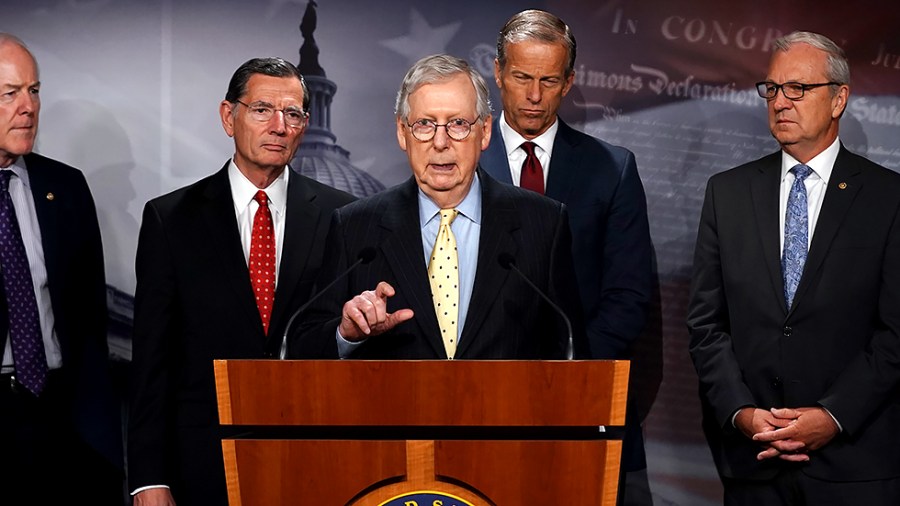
pixel 597 181
pixel 795 303
pixel 196 298
pixel 60 428
pixel 398 304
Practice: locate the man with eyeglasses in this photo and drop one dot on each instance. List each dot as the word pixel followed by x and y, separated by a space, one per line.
pixel 221 266
pixel 795 303
pixel 440 284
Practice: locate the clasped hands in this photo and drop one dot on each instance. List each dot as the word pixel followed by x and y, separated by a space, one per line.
pixel 366 314
pixel 786 433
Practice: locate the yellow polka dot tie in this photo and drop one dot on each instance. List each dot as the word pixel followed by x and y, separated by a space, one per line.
pixel 443 273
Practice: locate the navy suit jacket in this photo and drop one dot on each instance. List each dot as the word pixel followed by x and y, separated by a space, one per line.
pixel 194 304
pixel 506 318
pixel 599 185
pixel 839 344
pixel 73 257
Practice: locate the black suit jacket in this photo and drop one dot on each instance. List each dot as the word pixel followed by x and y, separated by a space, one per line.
pixel 194 304
pixel 837 347
pixel 73 257
pixel 506 319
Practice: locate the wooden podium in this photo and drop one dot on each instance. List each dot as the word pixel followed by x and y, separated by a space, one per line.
pixel 422 433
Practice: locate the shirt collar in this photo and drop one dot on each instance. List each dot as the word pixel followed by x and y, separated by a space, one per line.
pixel 243 191
pixel 470 207
pixel 21 171
pixel 821 164
pixel 513 139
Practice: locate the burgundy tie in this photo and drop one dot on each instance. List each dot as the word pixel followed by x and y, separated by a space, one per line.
pixel 24 323
pixel 532 177
pixel 262 259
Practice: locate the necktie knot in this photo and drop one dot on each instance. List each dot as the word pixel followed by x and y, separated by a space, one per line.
pixel 532 176
pixel 801 171
pixel 261 198
pixel 5 175
pixel 447 216
pixel 528 147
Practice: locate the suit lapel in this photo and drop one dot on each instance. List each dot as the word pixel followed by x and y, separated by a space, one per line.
pixel 48 214
pixel 402 249
pixel 764 192
pixel 47 210
pixel 563 180
pixel 834 209
pixel 494 159
pixel 225 240
pixel 498 223
pixel 301 216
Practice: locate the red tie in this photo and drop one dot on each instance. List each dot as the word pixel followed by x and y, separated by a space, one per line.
pixel 262 259
pixel 532 177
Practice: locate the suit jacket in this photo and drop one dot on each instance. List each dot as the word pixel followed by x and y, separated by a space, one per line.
pixel 600 186
pixel 839 344
pixel 194 304
pixel 506 318
pixel 73 257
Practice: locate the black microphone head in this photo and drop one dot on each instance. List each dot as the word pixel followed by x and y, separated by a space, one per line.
pixel 367 254
pixel 506 260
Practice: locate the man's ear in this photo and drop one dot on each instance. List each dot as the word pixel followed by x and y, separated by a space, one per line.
pixel 401 133
pixel 226 113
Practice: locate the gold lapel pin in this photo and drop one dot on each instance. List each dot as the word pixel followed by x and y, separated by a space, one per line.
pixel 842 185
pixel 51 196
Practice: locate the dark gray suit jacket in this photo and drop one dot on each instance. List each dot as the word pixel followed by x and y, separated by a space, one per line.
pixel 838 346
pixel 506 319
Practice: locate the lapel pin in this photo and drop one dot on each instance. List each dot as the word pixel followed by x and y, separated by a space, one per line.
pixel 842 185
pixel 50 196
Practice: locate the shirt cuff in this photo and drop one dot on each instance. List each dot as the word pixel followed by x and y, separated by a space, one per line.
pixel 836 422
pixel 345 347
pixel 148 487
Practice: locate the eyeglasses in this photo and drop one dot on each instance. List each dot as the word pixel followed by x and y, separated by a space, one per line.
pixel 791 90
pixel 263 112
pixel 457 129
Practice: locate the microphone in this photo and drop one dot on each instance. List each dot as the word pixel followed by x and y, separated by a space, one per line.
pixel 365 256
pixel 508 262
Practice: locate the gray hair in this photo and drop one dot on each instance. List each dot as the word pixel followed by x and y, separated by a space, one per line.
pixel 537 25
pixel 8 38
pixel 438 68
pixel 273 67
pixel 838 70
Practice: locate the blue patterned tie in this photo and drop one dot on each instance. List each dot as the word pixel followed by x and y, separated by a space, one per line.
pixel 796 233
pixel 24 323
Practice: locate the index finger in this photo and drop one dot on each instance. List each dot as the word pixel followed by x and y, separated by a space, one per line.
pixel 384 290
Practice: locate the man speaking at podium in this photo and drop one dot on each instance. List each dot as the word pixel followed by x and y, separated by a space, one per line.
pixel 445 255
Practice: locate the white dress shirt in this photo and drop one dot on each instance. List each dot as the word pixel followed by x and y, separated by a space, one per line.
pixel 245 206
pixel 516 155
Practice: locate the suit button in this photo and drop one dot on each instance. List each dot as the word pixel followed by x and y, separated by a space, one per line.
pixel 776 383
pixel 788 331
